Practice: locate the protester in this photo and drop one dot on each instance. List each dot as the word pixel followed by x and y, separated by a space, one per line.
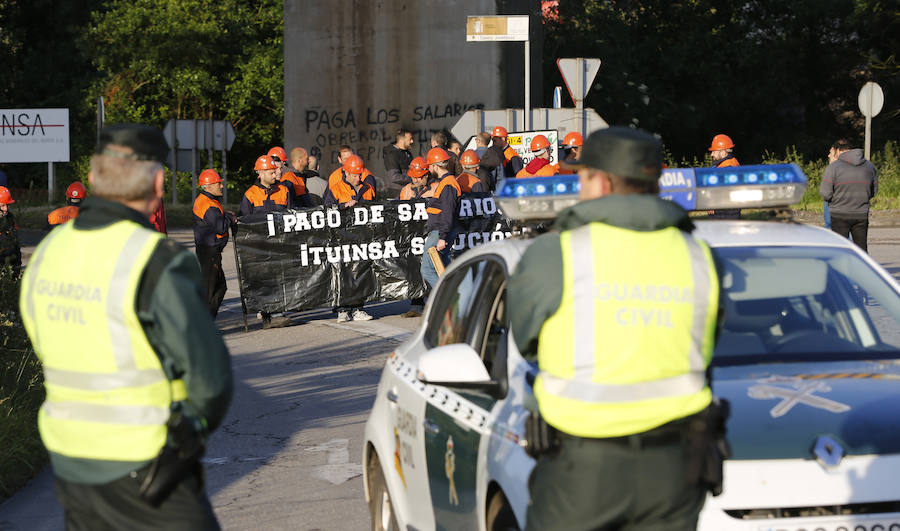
pixel 442 213
pixel 136 373
pixel 290 177
pixel 10 249
pixel 439 140
pixel 211 227
pixel 473 178
pixel 397 157
pixel 75 193
pixel 512 162
pixel 540 165
pixel 264 196
pixel 347 192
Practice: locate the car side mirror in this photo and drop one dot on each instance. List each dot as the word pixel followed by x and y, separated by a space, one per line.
pixel 458 366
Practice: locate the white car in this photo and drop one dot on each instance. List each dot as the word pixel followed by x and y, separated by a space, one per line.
pixel 807 358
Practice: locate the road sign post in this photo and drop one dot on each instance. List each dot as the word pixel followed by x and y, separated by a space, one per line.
pixel 871 100
pixel 187 137
pixel 504 28
pixel 578 73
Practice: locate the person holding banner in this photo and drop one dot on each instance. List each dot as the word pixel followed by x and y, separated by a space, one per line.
pixel 540 165
pixel 418 187
pixel 211 224
pixel 345 153
pixel 347 192
pixel 266 194
pixel 473 178
pixel 442 214
pixel 289 178
pixel 571 145
pixel 512 162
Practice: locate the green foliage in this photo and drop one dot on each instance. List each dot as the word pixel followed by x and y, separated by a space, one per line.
pixel 767 72
pixel 21 394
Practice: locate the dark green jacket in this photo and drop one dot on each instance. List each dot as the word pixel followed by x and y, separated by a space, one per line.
pixel 536 286
pixel 172 310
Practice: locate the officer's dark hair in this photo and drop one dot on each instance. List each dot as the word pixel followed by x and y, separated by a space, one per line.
pixel 401 133
pixel 440 138
pixel 634 186
pixel 842 145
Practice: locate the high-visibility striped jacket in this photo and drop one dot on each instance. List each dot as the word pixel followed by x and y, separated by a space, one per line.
pixel 340 191
pixel 297 186
pixel 622 339
pixel 116 314
pixel 470 183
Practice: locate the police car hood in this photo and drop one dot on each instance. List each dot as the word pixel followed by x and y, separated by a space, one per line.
pixel 635 212
pixel 779 410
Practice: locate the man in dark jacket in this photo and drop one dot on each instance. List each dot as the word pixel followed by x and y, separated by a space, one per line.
pixel 848 184
pixel 10 250
pixel 396 161
pixel 211 225
pixel 442 213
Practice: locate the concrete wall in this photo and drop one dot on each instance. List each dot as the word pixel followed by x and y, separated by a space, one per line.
pixel 356 70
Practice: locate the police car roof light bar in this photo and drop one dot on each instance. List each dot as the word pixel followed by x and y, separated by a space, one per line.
pixel 701 189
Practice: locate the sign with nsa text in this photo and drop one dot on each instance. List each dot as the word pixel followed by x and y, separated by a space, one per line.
pixel 34 135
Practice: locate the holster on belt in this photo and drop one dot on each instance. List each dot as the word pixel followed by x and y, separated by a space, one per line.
pixel 540 437
pixel 708 447
pixel 178 459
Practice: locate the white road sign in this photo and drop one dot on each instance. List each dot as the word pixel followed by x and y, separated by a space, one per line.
pixel 871 99
pixel 34 135
pixel 578 73
pixel 497 28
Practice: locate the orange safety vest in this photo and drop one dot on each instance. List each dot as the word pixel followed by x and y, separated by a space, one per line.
pixel 343 192
pixel 449 180
pixel 257 194
pixel 299 185
pixel 545 171
pixel 62 214
pixel 467 181
pixel 728 162
pixel 204 203
pixel 411 192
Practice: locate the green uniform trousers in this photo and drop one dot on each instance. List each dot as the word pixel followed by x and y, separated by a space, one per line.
pixel 627 483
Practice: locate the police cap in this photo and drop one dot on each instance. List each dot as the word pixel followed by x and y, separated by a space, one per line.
pixel 145 142
pixel 622 151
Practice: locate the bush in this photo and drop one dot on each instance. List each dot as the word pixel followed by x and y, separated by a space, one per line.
pixel 21 394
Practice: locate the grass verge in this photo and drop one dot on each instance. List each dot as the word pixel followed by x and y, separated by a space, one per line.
pixel 21 394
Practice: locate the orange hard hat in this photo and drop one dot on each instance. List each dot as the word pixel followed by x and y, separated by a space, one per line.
pixel 539 143
pixel 264 163
pixel 76 191
pixel 354 164
pixel 209 176
pixel 469 158
pixel 5 197
pixel 278 151
pixel 417 168
pixel 573 139
pixel 500 131
pixel 437 155
pixel 721 142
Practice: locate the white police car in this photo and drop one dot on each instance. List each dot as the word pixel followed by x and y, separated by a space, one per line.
pixel 809 359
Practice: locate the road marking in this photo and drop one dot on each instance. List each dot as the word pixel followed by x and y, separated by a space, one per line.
pixel 338 468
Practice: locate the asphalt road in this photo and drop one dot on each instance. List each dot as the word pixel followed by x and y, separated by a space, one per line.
pixel 288 454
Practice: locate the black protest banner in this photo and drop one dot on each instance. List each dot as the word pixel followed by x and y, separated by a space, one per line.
pixel 328 257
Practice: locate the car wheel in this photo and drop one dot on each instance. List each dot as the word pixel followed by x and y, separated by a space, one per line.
pixel 381 509
pixel 500 516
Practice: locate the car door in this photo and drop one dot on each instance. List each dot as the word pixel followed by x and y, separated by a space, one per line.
pixel 456 419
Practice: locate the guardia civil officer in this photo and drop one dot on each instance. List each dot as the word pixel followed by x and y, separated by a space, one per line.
pixel 619 306
pixel 211 226
pixel 136 373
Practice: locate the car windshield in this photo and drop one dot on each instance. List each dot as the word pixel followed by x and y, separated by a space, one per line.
pixel 785 304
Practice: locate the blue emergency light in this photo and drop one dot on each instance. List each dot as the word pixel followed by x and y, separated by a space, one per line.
pixel 537 197
pixel 761 186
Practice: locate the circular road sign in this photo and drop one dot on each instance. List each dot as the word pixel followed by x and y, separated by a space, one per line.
pixel 871 99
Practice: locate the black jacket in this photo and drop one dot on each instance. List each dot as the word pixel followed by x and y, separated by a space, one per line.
pixel 396 163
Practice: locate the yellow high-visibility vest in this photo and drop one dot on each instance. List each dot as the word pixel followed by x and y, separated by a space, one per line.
pixel 107 395
pixel 628 347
